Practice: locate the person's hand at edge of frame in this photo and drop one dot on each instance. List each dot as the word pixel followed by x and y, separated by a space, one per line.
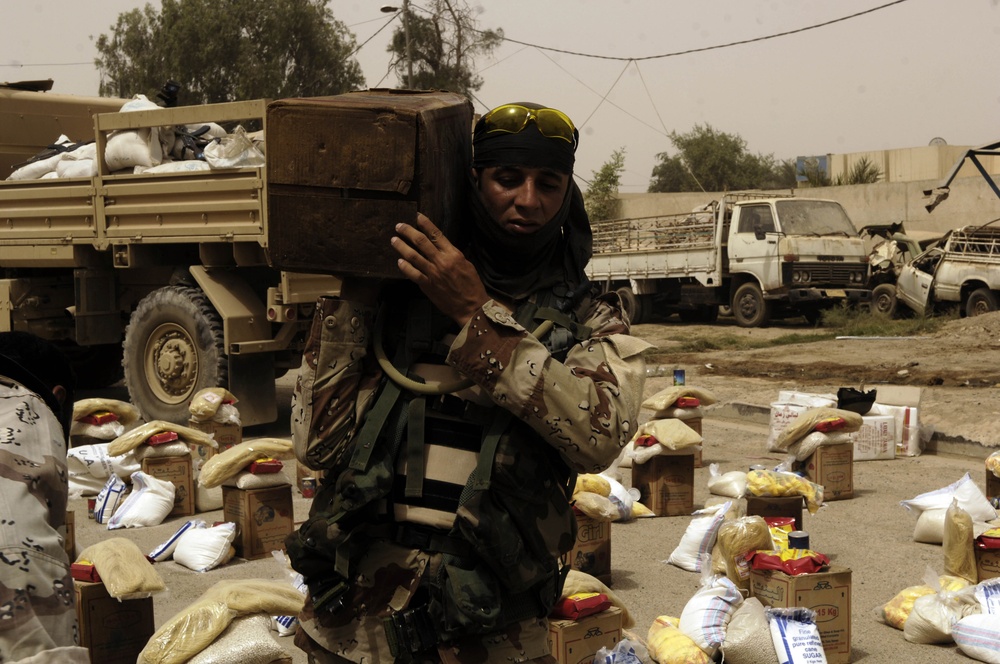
pixel 446 277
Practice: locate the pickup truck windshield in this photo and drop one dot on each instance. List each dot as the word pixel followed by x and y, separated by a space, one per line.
pixel 814 218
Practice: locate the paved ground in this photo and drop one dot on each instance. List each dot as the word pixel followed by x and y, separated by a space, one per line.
pixel 871 534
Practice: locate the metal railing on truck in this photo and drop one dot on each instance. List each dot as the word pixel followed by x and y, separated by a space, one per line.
pixel 691 230
pixel 980 243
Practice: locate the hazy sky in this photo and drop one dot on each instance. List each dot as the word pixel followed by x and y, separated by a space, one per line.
pixel 893 77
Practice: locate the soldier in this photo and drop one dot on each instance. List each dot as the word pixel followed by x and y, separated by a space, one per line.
pixel 451 413
pixel 37 613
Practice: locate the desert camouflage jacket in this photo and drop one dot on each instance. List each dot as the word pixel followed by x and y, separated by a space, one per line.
pixel 584 407
pixel 37 613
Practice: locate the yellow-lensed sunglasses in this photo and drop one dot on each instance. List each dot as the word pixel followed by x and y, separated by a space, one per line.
pixel 513 118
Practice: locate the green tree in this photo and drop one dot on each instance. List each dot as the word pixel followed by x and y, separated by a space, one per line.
pixel 601 197
pixel 711 160
pixel 228 50
pixel 863 171
pixel 444 43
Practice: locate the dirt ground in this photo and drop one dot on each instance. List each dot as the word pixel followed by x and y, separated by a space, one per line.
pixel 958 368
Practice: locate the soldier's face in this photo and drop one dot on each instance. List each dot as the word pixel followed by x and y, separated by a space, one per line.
pixel 522 200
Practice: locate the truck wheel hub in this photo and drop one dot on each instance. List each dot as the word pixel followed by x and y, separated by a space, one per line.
pixel 171 363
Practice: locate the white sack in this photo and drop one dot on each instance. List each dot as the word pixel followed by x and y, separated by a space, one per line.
pixel 149 503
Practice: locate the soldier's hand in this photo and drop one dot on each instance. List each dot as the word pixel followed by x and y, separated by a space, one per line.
pixel 447 278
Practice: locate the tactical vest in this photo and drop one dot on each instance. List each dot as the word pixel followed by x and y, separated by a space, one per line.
pixel 503 557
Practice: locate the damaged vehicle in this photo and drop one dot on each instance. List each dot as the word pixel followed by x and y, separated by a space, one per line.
pixel 893 247
pixel 963 271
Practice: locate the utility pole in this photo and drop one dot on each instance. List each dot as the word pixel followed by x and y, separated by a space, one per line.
pixel 405 10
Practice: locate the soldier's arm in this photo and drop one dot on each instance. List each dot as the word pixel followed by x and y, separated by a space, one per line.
pixel 336 381
pixel 585 407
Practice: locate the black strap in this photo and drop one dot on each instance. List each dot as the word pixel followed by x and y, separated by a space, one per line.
pixel 578 330
pixel 415 462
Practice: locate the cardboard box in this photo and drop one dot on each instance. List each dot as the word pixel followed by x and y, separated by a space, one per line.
pixel 876 439
pixel 987 561
pixel 782 414
pixel 776 506
pixel 592 551
pixel 179 472
pixel 226 435
pixel 577 641
pixel 902 402
pixel 666 483
pixel 343 170
pixel 832 466
pixel 826 593
pixel 263 518
pixel 114 632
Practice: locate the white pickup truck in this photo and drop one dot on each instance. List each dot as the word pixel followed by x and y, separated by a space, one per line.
pixel 963 271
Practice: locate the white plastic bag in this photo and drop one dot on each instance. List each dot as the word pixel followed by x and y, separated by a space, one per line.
pixel 978 636
pixel 795 636
pixel 706 615
pixel 699 537
pixel 165 551
pixel 202 549
pixel 149 503
pixel 109 499
pixel 732 484
pixel 233 151
pixel 970 498
pixel 933 615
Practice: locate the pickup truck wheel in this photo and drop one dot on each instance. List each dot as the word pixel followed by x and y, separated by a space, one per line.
pixel 174 347
pixel 632 305
pixel 884 299
pixel 750 309
pixel 981 301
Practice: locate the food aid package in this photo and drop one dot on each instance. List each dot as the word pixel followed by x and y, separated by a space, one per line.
pixel 993 464
pixel 149 503
pixel 958 543
pixel 231 462
pixel 669 434
pixel 807 422
pixel 234 150
pixel 190 631
pixel 933 615
pixel 667 643
pixel 206 403
pixel 203 549
pixel 970 498
pixel 177 448
pixel 247 480
pixel 929 528
pixel 581 582
pixel 139 435
pixel 731 485
pixel 286 625
pixel 624 652
pixel 165 551
pixel 738 539
pixel 748 640
pixel 89 466
pixel 699 537
pixel 108 500
pixel 790 561
pixel 898 609
pixel 988 595
pixel 626 500
pixel 595 506
pixel 807 446
pixel 246 640
pixel 125 571
pixel 795 635
pixel 978 636
pixel 706 615
pixel 666 398
pixel 592 483
pixel 782 483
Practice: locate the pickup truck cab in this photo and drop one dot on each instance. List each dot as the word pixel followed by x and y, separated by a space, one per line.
pixel 963 271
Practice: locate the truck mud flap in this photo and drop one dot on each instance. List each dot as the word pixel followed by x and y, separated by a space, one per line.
pixel 251 380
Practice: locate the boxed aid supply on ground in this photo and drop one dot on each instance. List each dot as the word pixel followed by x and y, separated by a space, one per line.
pixel 577 641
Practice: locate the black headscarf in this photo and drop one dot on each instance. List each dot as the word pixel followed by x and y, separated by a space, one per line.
pixel 554 257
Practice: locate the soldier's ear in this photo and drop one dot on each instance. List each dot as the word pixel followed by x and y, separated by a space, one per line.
pixel 60 394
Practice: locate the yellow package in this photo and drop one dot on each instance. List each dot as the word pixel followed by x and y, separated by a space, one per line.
pixel 596 506
pixel 779 483
pixel 669 645
pixel 993 463
pixel 640 510
pixel 668 397
pixel 898 609
pixel 592 483
pixel 207 401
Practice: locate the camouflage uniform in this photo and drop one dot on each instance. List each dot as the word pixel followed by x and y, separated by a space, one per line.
pixel 584 407
pixel 37 613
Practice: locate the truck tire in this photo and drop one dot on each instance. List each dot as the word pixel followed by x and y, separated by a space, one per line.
pixel 884 299
pixel 632 305
pixel 174 347
pixel 981 301
pixel 750 309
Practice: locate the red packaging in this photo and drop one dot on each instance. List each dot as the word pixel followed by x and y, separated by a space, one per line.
pixel 265 466
pixel 84 572
pixel 580 605
pixel 687 402
pixel 99 417
pixel 162 437
pixel 832 424
pixel 645 441
pixel 986 542
pixel 779 521
pixel 807 564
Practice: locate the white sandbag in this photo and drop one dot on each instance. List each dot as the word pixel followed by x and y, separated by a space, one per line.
pixel 149 503
pixel 748 640
pixel 978 636
pixel 77 168
pixel 233 151
pixel 930 526
pixel 732 484
pixel 188 166
pixel 41 167
pixel 129 148
pixel 970 498
pixel 165 550
pixel 202 549
pixel 89 466
pixel 108 500
pixel 706 615
pixel 699 537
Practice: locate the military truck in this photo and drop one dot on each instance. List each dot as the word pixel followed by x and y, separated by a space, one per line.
pixel 763 255
pixel 162 277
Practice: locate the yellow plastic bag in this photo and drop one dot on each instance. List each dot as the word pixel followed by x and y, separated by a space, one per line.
pixel 803 425
pixel 230 462
pixel 668 397
pixel 592 483
pixel 779 483
pixel 669 645
pixel 206 402
pixel 130 440
pixel 897 610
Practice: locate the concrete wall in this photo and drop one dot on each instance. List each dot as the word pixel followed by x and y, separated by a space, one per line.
pixel 930 162
pixel 971 201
